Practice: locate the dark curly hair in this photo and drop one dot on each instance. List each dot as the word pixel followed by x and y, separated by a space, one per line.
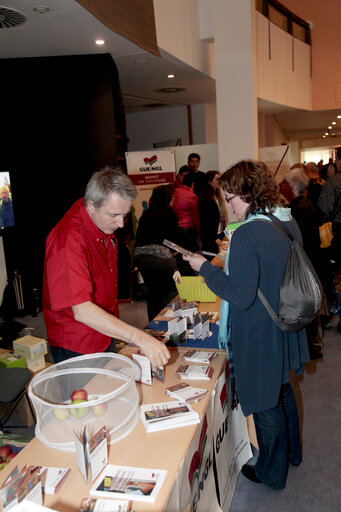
pixel 254 183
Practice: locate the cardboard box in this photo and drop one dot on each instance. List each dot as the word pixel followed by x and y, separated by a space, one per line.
pixel 30 347
pixel 10 360
pixel 38 363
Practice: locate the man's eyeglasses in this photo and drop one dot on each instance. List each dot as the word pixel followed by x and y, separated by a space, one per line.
pixel 228 201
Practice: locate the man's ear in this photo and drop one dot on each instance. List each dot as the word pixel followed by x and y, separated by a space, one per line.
pixel 90 206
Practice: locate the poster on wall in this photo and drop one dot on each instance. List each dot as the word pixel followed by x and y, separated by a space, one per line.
pixel 147 170
pixel 277 158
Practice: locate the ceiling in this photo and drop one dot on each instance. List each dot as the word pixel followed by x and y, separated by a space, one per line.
pixel 69 29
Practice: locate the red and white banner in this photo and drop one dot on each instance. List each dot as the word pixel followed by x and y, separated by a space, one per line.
pixel 147 170
pixel 232 447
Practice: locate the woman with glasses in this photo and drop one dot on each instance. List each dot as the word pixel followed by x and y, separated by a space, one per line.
pixel 260 354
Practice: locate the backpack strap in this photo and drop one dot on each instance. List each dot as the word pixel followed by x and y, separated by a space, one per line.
pixel 283 229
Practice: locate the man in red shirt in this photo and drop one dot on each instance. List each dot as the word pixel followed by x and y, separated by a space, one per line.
pixel 80 275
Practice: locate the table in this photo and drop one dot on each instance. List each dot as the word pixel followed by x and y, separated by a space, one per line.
pixel 137 449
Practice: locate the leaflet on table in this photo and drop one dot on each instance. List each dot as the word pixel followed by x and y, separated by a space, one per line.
pixel 140 484
pixel 91 452
pixel 189 309
pixel 187 371
pixel 182 330
pixel 52 478
pixel 165 415
pixel 146 371
pixel 205 325
pixel 186 393
pixel 25 484
pixel 199 356
pixel 98 505
pixel 177 308
pixel 159 335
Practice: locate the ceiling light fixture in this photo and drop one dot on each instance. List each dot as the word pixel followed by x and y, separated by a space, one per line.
pixel 326 133
pixel 333 122
pixel 170 76
pixel 339 117
pixel 41 9
pixel 324 136
pixel 330 127
pixel 99 42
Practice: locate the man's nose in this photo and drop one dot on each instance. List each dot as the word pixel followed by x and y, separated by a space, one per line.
pixel 120 221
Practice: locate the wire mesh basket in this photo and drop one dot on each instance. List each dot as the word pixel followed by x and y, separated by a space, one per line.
pixel 106 395
pixel 193 288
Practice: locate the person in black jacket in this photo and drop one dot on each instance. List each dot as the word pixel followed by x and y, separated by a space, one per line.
pixel 213 214
pixel 155 261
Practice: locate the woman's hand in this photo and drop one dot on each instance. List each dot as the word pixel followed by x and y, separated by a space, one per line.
pixel 195 261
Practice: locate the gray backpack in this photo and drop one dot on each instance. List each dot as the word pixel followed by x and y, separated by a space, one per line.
pixel 301 291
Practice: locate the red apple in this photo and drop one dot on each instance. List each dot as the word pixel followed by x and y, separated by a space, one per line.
pixel 79 394
pixel 5 451
pixel 11 456
pixel 99 409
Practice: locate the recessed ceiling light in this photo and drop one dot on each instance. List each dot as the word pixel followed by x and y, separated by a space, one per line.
pixel 339 117
pixel 99 42
pixel 324 136
pixel 330 127
pixel 170 76
pixel 333 122
pixel 41 9
pixel 170 89
pixel 326 133
pixel 141 61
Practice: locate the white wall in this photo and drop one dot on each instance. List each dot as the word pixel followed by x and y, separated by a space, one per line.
pixel 178 32
pixel 144 128
pixel 285 77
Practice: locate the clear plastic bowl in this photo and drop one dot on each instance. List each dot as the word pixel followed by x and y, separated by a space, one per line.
pixel 113 400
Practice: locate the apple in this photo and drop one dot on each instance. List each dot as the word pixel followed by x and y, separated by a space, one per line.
pixel 79 412
pixel 79 394
pixel 5 451
pixel 11 456
pixel 99 409
pixel 60 414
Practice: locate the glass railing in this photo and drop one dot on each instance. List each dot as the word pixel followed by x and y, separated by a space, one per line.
pixel 285 19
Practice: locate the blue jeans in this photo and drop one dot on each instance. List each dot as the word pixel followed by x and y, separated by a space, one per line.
pixel 278 438
pixel 59 354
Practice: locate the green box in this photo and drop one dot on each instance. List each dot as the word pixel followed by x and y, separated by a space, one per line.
pixel 9 360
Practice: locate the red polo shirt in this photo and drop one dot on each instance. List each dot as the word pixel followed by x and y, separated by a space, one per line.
pixel 80 266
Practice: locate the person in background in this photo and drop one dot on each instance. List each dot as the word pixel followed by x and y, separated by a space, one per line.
pixel 6 208
pixel 315 183
pixel 80 275
pixel 261 353
pixel 213 214
pixel 309 218
pixel 186 207
pixel 180 176
pixel 193 163
pixel 328 169
pixel 155 261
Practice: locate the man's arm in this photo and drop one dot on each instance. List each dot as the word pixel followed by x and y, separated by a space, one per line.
pixel 93 316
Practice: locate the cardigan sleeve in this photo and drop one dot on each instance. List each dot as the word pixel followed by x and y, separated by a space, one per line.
pixel 241 285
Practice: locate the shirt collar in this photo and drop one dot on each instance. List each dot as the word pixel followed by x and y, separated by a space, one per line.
pixel 94 231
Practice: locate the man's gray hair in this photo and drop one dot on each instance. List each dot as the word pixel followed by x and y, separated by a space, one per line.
pixel 298 177
pixel 104 182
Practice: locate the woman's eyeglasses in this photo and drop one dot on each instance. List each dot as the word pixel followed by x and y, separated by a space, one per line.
pixel 228 201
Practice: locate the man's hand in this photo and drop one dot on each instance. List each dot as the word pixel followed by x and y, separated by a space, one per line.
pixel 96 318
pixel 195 261
pixel 156 351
